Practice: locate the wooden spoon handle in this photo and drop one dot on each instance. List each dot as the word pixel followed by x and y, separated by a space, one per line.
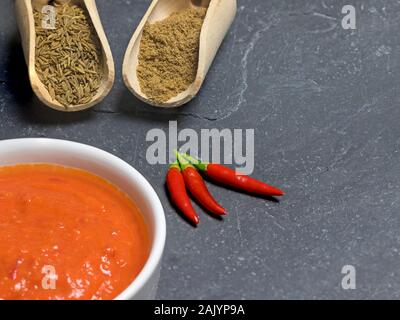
pixel 38 4
pixel 201 3
pixel 220 16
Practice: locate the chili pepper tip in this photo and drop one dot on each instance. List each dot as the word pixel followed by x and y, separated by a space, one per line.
pixel 196 220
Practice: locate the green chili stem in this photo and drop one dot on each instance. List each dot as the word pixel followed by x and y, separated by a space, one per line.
pixel 175 165
pixel 202 166
pixel 183 162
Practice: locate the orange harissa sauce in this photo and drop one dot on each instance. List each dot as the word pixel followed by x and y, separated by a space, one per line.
pixel 85 228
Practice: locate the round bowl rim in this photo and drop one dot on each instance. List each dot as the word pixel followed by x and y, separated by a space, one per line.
pixel 157 211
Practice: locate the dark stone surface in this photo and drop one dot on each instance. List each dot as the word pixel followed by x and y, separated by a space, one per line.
pixel 324 103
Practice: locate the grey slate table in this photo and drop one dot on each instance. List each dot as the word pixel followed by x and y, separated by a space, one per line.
pixel 324 103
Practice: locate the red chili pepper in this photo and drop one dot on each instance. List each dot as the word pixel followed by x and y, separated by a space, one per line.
pixel 195 183
pixel 179 196
pixel 231 178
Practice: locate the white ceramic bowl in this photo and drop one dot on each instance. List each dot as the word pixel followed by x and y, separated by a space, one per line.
pixel 104 164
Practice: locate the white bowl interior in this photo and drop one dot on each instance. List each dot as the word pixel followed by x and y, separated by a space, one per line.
pixel 107 166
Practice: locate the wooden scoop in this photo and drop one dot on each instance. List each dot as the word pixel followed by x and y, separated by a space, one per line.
pixel 26 23
pixel 219 18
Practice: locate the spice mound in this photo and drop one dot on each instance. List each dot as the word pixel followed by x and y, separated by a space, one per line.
pixel 168 56
pixel 68 59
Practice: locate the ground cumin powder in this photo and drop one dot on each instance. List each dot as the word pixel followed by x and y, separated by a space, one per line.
pixel 168 55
